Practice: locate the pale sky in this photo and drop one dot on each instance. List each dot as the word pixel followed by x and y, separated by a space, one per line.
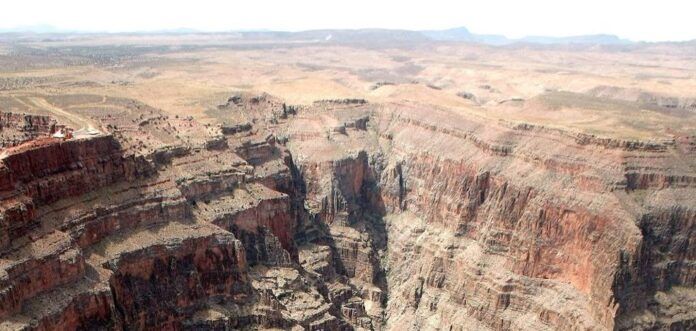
pixel 650 20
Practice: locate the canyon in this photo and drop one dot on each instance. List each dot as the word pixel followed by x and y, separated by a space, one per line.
pixel 394 204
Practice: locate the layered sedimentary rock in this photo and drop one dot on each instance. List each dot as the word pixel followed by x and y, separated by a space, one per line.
pixel 507 225
pixel 553 214
pixel 343 214
pixel 163 275
pixel 94 235
pixel 19 128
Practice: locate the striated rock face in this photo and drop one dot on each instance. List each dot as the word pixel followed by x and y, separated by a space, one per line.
pixel 19 128
pixel 261 218
pixel 530 225
pixel 49 169
pixel 96 237
pixel 174 274
pixel 643 97
pixel 497 227
pixel 37 261
pixel 343 215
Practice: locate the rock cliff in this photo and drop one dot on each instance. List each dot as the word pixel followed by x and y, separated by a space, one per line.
pixel 340 215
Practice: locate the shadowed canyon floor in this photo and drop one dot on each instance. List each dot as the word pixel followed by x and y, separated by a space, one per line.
pixel 218 182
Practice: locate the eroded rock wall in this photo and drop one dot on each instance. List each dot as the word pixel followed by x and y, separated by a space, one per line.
pixel 345 215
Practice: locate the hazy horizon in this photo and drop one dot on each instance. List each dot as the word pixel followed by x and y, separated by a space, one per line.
pixel 667 21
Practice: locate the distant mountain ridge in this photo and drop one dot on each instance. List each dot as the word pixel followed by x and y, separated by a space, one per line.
pixel 463 34
pixel 458 34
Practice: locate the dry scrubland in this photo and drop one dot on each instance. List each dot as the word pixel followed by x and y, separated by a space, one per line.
pixel 601 90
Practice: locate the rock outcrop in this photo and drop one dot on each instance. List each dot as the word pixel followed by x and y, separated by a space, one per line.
pixel 19 128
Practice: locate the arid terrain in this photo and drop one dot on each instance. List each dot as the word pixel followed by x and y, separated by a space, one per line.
pixel 340 180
